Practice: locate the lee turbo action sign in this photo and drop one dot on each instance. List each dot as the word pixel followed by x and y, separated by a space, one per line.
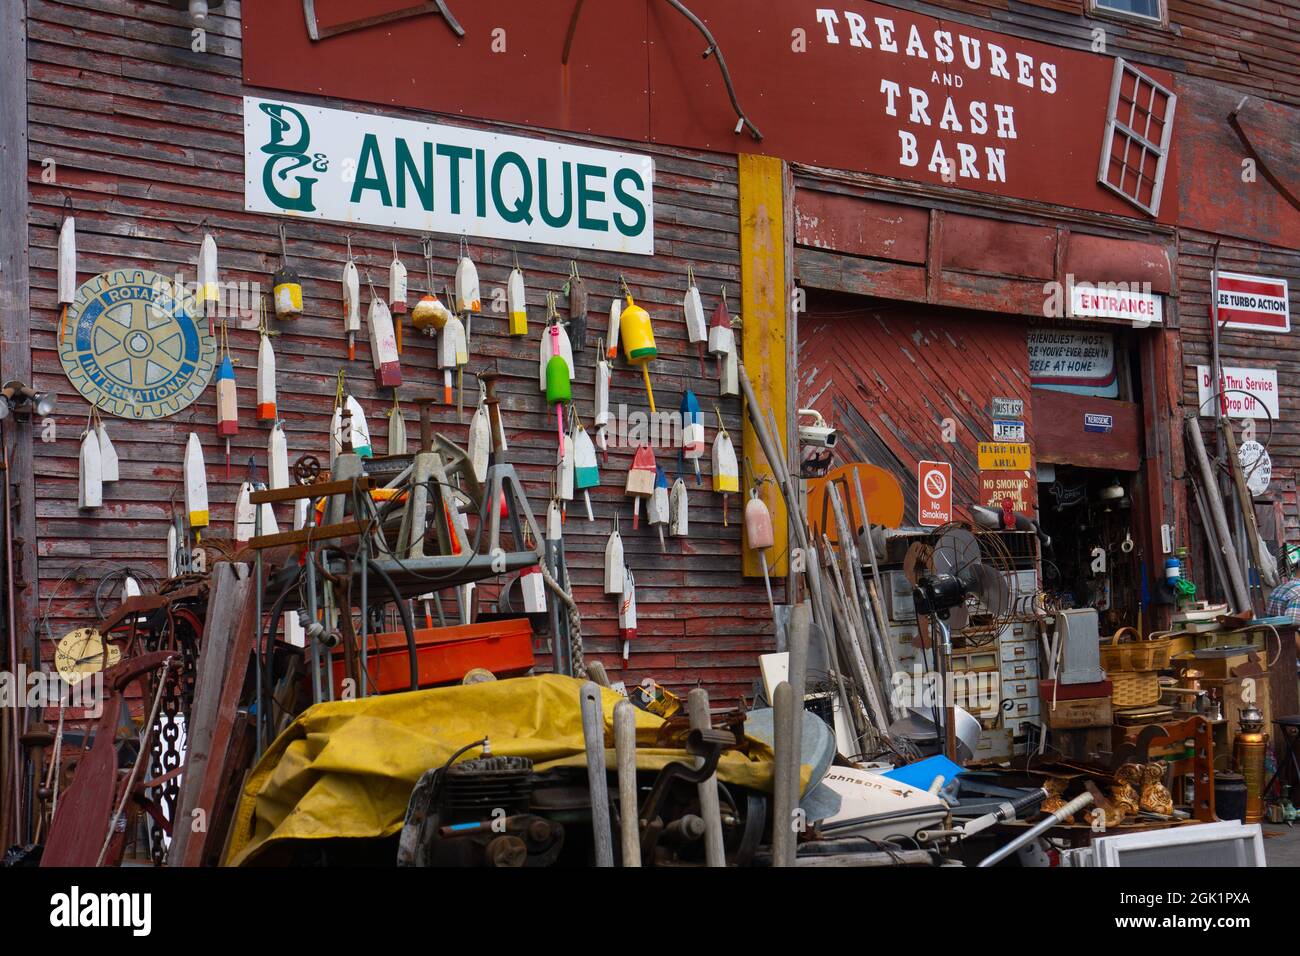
pixel 425 177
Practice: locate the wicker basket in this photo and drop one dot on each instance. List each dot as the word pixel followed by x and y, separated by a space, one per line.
pixel 1134 688
pixel 1151 654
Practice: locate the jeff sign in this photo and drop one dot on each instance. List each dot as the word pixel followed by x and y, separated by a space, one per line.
pixel 1253 302
pixel 424 177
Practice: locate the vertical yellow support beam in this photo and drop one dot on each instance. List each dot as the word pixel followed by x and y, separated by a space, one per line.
pixel 764 345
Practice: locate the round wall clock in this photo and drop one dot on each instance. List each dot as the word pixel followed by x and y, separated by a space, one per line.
pixel 83 652
pixel 135 345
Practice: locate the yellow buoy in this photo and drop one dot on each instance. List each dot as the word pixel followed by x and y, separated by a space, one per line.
pixel 638 340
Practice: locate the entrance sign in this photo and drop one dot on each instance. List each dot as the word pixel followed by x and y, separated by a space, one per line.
pixel 360 168
pixel 933 493
pixel 1115 301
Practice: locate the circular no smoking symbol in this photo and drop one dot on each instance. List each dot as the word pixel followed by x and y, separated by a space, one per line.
pixel 936 485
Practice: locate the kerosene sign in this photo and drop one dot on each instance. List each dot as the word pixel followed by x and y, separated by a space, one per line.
pixel 361 168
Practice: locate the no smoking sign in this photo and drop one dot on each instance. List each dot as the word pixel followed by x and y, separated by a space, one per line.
pixel 934 493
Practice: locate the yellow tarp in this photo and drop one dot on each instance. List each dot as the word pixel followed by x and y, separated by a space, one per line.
pixel 347 768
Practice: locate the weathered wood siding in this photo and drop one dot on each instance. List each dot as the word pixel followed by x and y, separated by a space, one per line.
pixel 147 138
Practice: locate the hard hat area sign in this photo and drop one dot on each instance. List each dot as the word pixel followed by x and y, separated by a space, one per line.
pixel 934 493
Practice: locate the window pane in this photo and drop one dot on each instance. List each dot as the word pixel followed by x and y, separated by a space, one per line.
pixel 1143 8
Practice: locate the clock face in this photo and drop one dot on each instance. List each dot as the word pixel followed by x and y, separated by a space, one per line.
pixel 83 652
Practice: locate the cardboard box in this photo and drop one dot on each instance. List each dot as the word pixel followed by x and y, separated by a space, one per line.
pixel 1100 688
pixel 1074 714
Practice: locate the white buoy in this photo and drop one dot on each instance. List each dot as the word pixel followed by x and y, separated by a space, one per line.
pixel 627 614
pixel 614 562
pixel 265 379
pixel 467 292
pixel 396 430
pixel 396 285
pixel 90 478
pixel 383 343
pixel 107 453
pixel 612 332
pixel 678 510
pixel 173 564
pixel 516 303
pixel 277 457
pixel 244 514
pixel 351 302
pixel 601 419
pixel 479 446
pixel 196 483
pixel 67 261
pixel 209 288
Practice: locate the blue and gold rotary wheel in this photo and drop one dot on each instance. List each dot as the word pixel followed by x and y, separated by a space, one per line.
pixel 134 345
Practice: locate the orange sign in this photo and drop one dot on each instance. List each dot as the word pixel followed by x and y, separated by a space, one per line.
pixel 997 486
pixel 933 493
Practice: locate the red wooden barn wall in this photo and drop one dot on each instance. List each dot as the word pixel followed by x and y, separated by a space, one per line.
pixel 1240 348
pixel 147 138
pixel 888 374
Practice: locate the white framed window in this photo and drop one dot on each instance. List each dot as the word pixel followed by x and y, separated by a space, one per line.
pixel 1152 11
pixel 1135 145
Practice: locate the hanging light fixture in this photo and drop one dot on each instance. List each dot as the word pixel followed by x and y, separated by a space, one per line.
pixel 16 395
pixel 198 9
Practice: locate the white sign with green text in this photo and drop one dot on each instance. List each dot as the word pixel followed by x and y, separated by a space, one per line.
pixel 361 168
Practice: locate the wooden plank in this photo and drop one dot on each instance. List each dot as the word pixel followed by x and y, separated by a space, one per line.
pixel 327 532
pixel 1059 435
pixel 859 227
pixel 764 336
pixel 226 599
pixel 323 489
pixel 15 304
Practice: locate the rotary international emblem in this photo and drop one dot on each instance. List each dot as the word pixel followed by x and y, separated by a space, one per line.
pixel 133 346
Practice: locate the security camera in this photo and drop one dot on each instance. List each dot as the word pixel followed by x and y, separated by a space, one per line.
pixel 815 433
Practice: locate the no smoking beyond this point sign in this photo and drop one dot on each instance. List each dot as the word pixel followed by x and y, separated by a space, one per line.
pixel 934 493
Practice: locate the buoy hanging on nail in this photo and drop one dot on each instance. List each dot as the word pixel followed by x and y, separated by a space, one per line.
pixel 336 430
pixel 730 384
pixel 555 341
pixel 577 291
pixel 613 331
pixel 277 457
pixel 679 525
pixel 627 614
pixel 559 382
pixel 360 430
pixel 173 548
pixel 692 432
pixel 67 256
pixel 603 375
pixel 196 484
pixel 657 506
pixel 108 462
pixel 286 286
pixel 693 313
pixel 383 341
pixel 467 291
pixel 90 477
pixel 396 285
pixel 227 404
pixel 722 339
pixel 453 353
pixel 266 398
pixel 614 561
pixel 209 287
pixel 640 480
pixel 396 429
pixel 586 473
pixel 351 302
pixel 245 516
pixel 516 302
pixel 759 536
pixel 726 471
pixel 638 341
pixel 429 314
pixel 479 446
pixel 565 474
